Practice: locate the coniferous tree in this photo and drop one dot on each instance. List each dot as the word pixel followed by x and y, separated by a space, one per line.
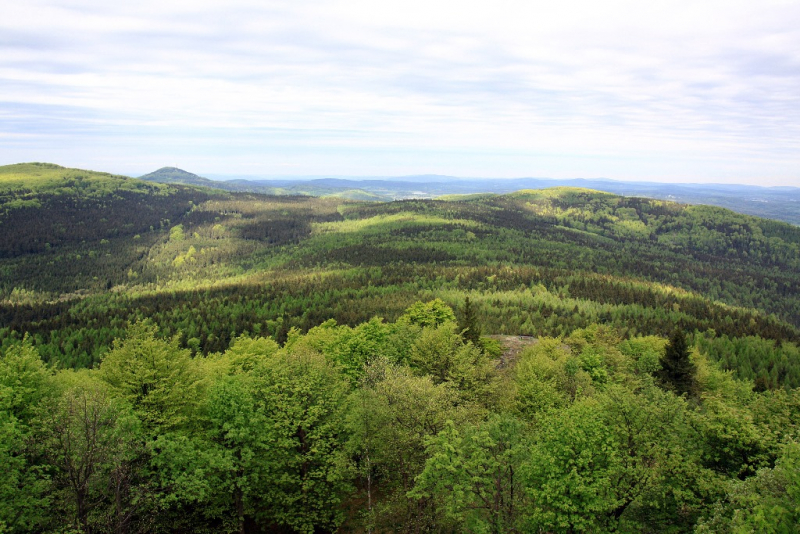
pixel 470 329
pixel 283 330
pixel 677 370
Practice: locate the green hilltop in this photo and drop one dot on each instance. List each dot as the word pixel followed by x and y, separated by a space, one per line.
pixel 42 178
pixel 173 175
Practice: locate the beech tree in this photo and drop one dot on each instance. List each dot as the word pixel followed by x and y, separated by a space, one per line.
pixel 240 431
pixel 440 352
pixel 432 313
pixel 155 376
pixel 25 384
pixel 619 458
pixel 767 502
pixel 476 473
pixel 91 439
pixel 390 418
pixel 303 399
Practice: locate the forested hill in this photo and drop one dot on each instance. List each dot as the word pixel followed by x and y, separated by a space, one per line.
pixel 24 180
pixel 176 358
pixel 779 203
pixel 173 175
pixel 82 254
pixel 44 206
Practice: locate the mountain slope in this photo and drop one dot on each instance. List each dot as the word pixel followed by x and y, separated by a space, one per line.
pixel 60 227
pixel 209 266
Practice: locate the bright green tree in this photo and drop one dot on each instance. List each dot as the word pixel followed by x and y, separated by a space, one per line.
pixel 25 383
pixel 441 353
pixel 194 489
pixel 432 313
pixel 548 377
pixel 157 377
pixel 28 380
pixel 240 432
pixel 619 459
pixel 768 502
pixel 390 418
pixel 92 440
pixel 23 501
pixel 303 400
pixel 476 473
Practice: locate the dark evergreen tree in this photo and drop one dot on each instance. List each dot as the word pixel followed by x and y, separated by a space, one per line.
pixel 283 330
pixel 677 370
pixel 762 384
pixel 470 329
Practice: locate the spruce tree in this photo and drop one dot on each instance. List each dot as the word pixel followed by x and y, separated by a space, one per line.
pixel 677 370
pixel 470 329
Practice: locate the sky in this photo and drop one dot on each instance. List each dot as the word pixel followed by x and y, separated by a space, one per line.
pixel 671 91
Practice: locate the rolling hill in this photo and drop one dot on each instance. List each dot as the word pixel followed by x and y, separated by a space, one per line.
pixel 78 266
pixel 780 203
pixel 179 358
pixel 172 175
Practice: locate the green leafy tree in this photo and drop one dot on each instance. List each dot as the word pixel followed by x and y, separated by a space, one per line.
pixel 619 460
pixel 777 506
pixel 476 473
pixel 194 489
pixel 644 354
pixel 768 502
pixel 441 353
pixel 247 353
pixel 353 349
pixel 303 400
pixel 432 313
pixel 390 418
pixel 731 443
pixel 548 377
pixel 240 431
pixel 568 475
pixel 27 379
pixel 92 440
pixel 155 376
pixel 23 498
pixel 25 383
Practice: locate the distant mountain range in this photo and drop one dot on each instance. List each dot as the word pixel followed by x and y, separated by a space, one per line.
pixel 781 203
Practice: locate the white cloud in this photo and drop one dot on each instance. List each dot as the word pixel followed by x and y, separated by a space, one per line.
pixel 634 88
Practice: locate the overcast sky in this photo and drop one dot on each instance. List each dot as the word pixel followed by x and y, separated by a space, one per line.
pixel 685 91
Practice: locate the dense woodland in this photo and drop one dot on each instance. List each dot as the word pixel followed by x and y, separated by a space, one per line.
pixel 408 426
pixel 176 357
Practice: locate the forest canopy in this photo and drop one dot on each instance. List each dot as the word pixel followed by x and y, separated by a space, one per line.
pixel 181 359
pixel 84 254
pixel 393 426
